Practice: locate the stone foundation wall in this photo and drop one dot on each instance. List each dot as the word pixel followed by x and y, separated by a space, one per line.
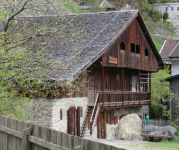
pixel 137 110
pixel 111 131
pixel 46 112
pixel 111 128
pixel 64 104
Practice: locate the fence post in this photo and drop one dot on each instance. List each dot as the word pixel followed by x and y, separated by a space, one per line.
pixel 25 142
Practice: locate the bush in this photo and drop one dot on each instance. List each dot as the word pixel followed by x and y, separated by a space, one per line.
pixel 156 15
pixel 165 16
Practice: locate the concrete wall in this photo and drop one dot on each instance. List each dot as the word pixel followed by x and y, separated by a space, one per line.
pixel 175 68
pixel 172 14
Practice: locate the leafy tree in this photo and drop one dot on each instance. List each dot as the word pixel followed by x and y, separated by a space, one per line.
pixel 25 67
pixel 159 91
pixel 156 15
pixel 165 16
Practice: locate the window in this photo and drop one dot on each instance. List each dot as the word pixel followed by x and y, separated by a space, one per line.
pixel 172 8
pixel 122 46
pixel 107 83
pixel 132 48
pixel 166 8
pixel 137 49
pixel 177 8
pixel 160 8
pixel 146 52
pixel 61 118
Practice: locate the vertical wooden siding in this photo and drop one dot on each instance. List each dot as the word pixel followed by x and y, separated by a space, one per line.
pixel 133 34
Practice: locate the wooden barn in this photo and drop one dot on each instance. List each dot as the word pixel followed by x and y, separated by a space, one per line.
pixel 120 55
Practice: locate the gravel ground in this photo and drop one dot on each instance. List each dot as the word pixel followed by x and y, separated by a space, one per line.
pixel 131 145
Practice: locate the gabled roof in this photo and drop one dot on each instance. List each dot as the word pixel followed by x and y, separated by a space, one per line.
pixel 102 29
pixel 168 48
pixel 175 51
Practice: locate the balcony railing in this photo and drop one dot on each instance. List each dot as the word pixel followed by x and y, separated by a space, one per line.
pixel 108 100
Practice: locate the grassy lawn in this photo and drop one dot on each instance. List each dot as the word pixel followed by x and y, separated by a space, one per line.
pixel 73 8
pixel 157 45
pixel 173 144
pixel 158 42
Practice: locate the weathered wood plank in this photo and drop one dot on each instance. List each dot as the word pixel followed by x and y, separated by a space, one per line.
pixel 112 60
pixel 45 143
pixel 25 142
pixel 11 131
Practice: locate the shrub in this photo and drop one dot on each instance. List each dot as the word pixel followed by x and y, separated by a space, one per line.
pixel 156 15
pixel 165 16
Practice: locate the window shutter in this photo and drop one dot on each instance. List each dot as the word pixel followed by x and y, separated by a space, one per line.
pixel 81 112
pixel 112 116
pixel 61 118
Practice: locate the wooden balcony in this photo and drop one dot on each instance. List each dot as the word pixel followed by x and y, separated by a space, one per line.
pixel 108 100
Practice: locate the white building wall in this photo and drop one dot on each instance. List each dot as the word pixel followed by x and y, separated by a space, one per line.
pixel 175 68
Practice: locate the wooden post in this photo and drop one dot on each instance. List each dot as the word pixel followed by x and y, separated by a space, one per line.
pixel 122 79
pixel 99 125
pixel 150 84
pixel 139 79
pixel 109 101
pixel 112 117
pixel 25 142
pixel 78 121
pixel 105 135
pixel 102 83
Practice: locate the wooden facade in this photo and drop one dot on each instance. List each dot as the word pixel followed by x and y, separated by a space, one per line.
pixel 120 78
pixel 141 57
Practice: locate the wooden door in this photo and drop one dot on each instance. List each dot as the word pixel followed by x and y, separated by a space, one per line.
pixel 71 121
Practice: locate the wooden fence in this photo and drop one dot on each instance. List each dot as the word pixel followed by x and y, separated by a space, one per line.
pixel 19 135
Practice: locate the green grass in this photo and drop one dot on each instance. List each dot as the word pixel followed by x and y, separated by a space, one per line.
pixel 157 45
pixel 158 42
pixel 165 144
pixel 73 8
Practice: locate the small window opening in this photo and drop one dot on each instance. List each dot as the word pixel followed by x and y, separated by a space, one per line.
pixel 122 46
pixel 107 84
pixel 137 49
pixel 146 52
pixel 132 48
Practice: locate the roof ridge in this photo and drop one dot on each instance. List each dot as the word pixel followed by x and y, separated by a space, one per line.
pixel 173 49
pixel 162 46
pixel 79 14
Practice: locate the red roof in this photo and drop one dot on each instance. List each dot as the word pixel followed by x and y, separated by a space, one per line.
pixel 175 52
pixel 168 48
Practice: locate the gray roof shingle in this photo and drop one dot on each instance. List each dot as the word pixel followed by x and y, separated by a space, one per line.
pixel 101 29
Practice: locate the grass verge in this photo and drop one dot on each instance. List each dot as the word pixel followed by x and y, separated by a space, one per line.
pixel 157 45
pixel 173 144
